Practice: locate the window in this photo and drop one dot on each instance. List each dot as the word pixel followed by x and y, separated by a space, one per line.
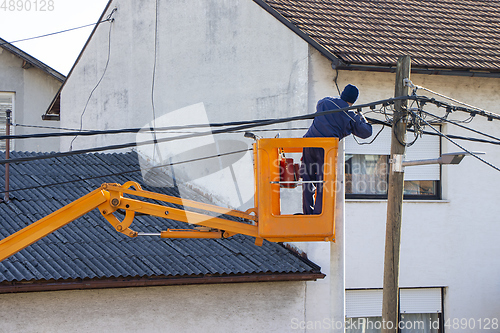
pixel 6 103
pixel 420 310
pixel 367 168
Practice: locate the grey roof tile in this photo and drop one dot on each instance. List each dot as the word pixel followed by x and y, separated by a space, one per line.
pixel 8 271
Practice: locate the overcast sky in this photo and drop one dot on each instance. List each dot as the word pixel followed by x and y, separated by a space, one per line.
pixel 38 17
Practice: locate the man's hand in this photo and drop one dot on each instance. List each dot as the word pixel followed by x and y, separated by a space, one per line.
pixel 360 114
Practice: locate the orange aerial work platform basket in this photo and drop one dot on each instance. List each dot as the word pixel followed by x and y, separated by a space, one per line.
pixel 274 172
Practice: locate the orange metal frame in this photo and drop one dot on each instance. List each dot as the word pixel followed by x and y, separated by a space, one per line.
pixel 276 227
pixel 265 221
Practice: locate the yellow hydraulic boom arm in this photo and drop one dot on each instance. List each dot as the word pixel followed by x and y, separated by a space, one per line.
pixel 109 198
pixel 265 221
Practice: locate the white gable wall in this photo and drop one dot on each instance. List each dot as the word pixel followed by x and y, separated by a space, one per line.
pixel 230 55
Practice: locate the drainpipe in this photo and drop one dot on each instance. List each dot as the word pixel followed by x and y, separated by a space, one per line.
pixel 7 155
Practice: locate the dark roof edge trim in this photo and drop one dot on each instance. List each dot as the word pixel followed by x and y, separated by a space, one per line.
pixel 299 32
pixel 416 70
pixel 51 117
pixel 78 58
pixel 18 287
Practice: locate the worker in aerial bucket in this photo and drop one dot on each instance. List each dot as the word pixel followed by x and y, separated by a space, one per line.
pixel 337 124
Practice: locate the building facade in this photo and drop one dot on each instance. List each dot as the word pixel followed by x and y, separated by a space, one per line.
pixel 242 63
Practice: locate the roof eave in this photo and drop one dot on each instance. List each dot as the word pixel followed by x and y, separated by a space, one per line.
pixel 420 70
pixel 35 286
pixel 32 60
pixel 339 62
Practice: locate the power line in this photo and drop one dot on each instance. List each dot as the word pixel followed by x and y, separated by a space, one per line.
pixel 244 125
pixel 47 127
pixel 135 130
pixel 82 132
pixel 170 129
pixel 372 140
pixel 119 131
pixel 178 127
pixel 456 144
pixel 376 121
pixel 130 171
pixel 461 126
pixel 470 108
pixel 121 146
pixel 224 154
pixel 54 33
pixel 451 136
pixel 213 156
pixel 154 77
pixel 250 124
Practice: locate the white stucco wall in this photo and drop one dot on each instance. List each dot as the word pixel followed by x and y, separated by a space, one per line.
pixel 248 307
pixel 34 90
pixel 220 53
pixel 232 56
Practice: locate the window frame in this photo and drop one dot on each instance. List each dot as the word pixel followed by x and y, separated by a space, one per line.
pixel 436 196
pixel 372 304
pixel 438 191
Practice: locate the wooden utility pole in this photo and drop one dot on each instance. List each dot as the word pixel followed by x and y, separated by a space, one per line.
pixel 390 302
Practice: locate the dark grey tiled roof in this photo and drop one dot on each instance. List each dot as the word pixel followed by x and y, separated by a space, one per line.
pixel 89 248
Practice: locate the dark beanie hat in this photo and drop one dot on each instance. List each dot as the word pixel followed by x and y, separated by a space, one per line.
pixel 350 93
